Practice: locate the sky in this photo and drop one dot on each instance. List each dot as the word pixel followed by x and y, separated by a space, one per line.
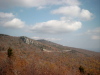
pixel 73 23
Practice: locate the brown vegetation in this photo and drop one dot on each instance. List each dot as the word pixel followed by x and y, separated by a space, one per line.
pixel 29 59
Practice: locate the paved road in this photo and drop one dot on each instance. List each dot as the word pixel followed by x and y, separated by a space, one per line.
pixel 45 50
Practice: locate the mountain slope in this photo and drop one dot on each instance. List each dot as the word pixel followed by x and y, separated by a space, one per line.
pixel 30 58
pixel 58 46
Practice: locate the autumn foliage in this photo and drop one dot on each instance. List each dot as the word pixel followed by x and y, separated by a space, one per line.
pixel 29 59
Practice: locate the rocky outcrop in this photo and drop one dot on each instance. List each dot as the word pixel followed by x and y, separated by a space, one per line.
pixel 35 43
pixel 27 40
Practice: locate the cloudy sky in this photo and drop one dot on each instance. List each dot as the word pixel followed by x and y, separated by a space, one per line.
pixel 74 23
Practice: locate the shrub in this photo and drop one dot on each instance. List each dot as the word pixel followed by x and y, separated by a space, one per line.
pixel 81 69
pixel 9 52
pixel 89 74
pixel 41 48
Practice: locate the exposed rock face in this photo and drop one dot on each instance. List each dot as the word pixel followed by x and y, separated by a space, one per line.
pixel 35 43
pixel 27 40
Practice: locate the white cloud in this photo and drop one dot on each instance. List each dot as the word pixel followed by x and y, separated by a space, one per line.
pixel 73 11
pixel 95 37
pixel 94 31
pixel 85 14
pixel 36 38
pixel 56 26
pixel 36 3
pixel 14 23
pixel 50 39
pixel 68 10
pixel 41 7
pixel 6 15
pixel 8 20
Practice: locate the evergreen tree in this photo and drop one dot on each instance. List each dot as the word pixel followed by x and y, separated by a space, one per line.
pixel 9 52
